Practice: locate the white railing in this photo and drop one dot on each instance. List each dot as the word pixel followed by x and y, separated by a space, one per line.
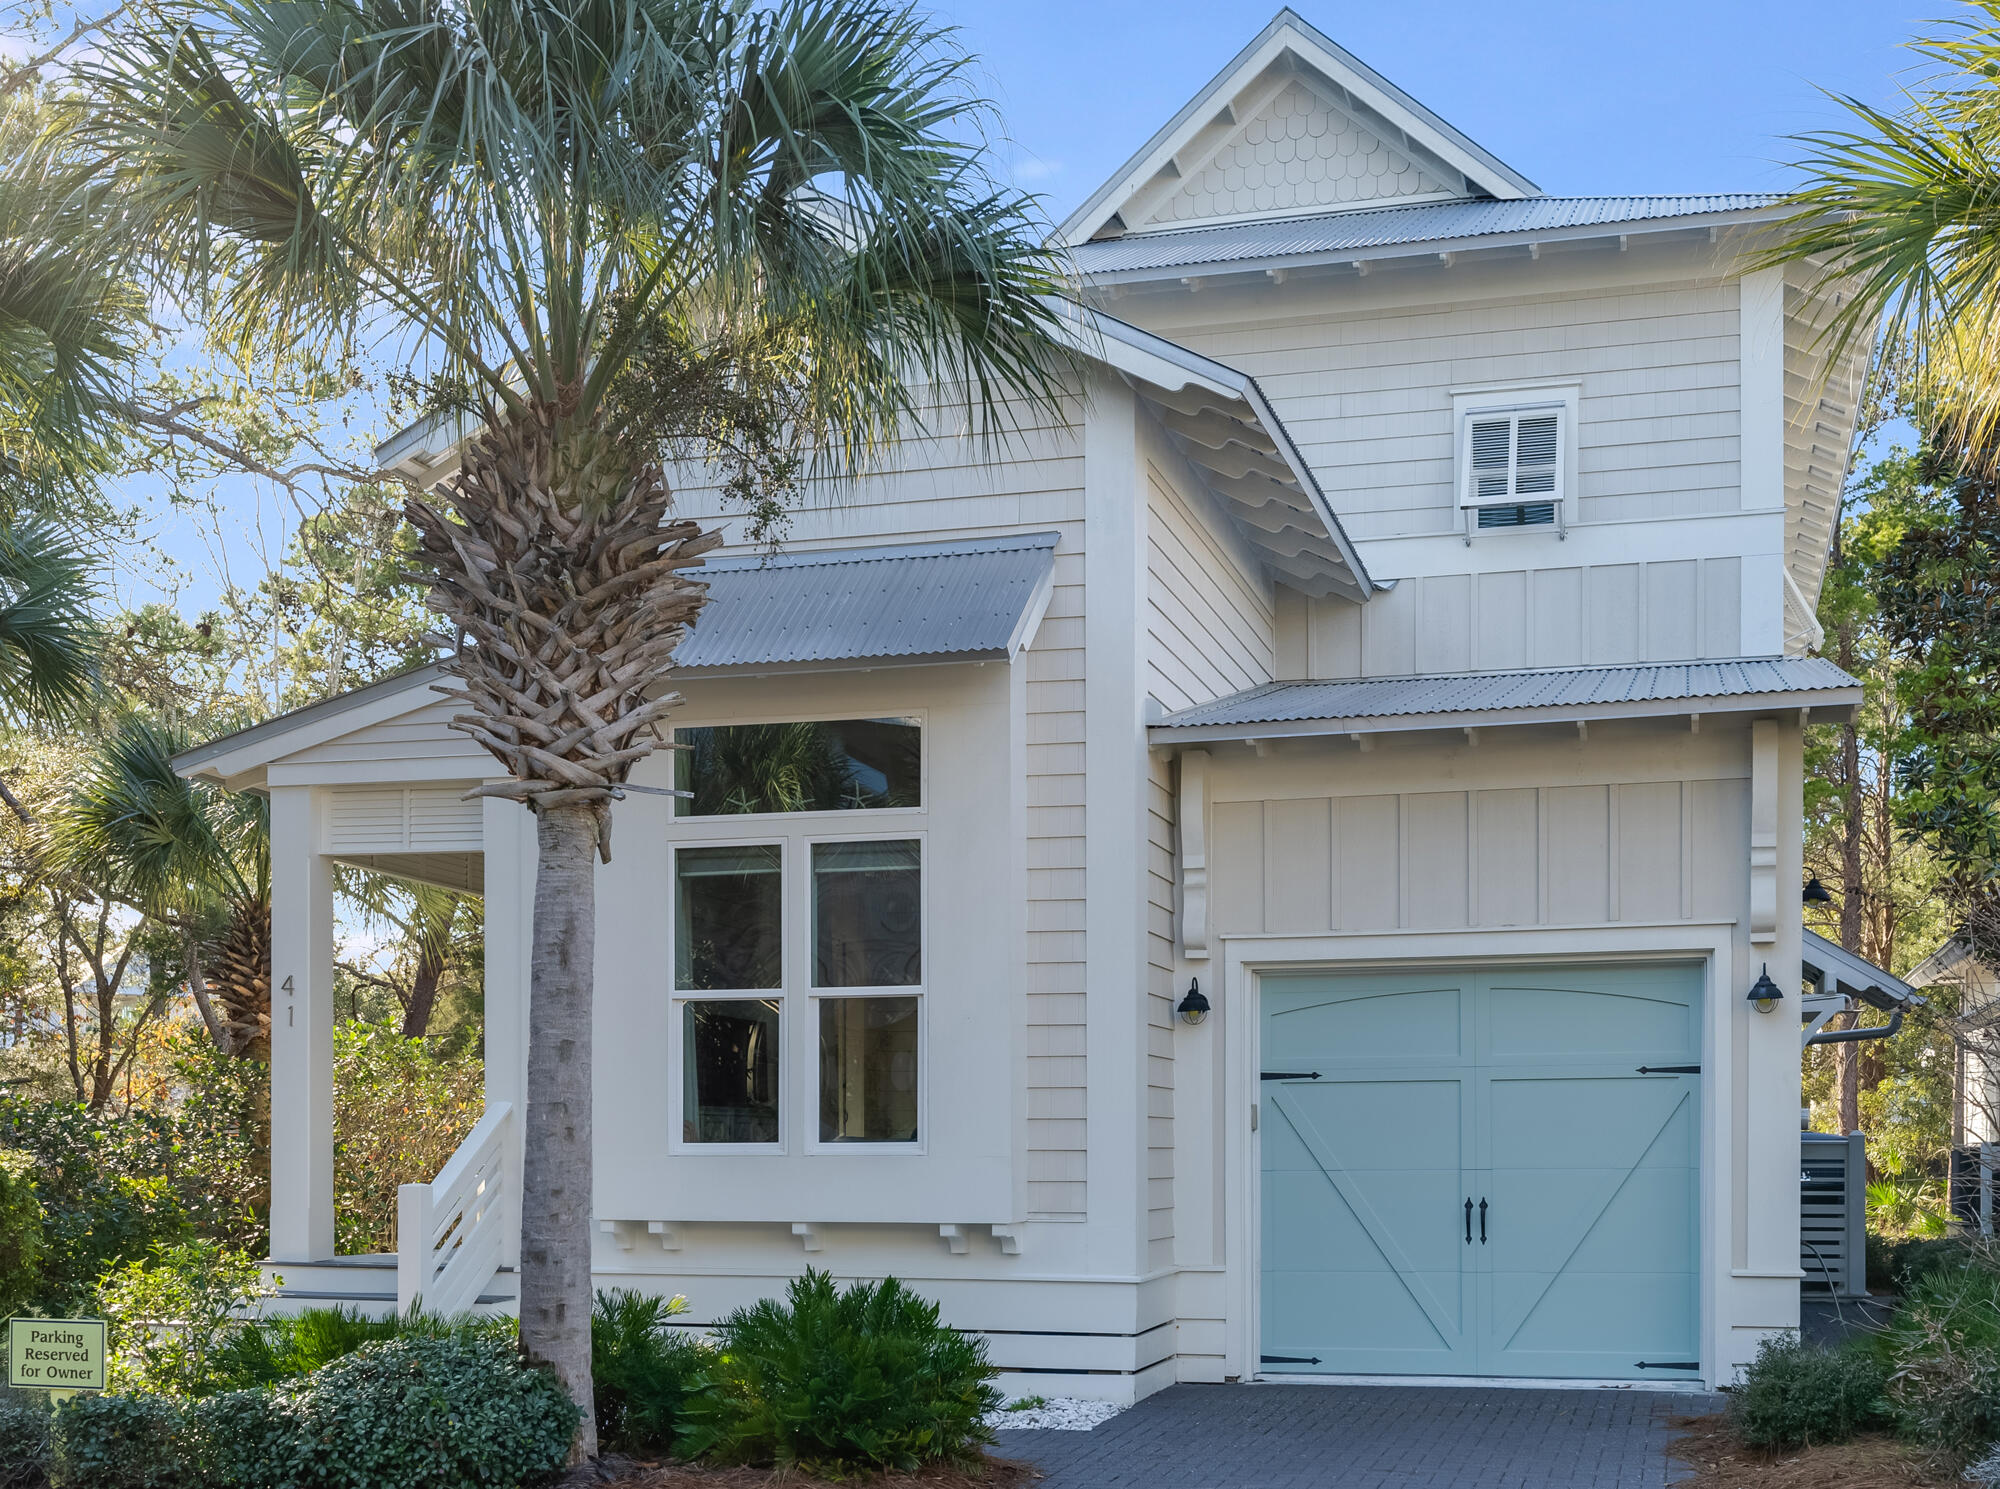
pixel 449 1231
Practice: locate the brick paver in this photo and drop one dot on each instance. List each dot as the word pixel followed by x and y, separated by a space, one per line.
pixel 1371 1437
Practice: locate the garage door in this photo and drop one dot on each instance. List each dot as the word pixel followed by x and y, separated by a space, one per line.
pixel 1481 1172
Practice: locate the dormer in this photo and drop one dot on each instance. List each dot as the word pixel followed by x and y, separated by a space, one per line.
pixel 1293 125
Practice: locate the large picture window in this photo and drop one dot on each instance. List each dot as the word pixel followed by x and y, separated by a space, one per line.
pixel 841 765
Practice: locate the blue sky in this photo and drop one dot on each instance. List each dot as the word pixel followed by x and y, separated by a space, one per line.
pixel 1611 96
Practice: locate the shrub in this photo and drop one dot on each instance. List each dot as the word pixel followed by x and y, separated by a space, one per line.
pixel 171 1315
pixel 643 1368
pixel 24 1438
pixel 1894 1263
pixel 287 1347
pixel 400 1109
pixel 117 1442
pixel 22 1241
pixel 1796 1395
pixel 106 1191
pixel 839 1382
pixel 411 1413
pixel 1944 1349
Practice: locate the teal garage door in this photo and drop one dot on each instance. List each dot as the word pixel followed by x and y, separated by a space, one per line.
pixel 1481 1173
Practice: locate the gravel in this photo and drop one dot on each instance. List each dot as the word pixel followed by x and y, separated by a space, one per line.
pixel 1057 1414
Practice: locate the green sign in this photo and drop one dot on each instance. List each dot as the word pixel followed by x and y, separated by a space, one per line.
pixel 56 1354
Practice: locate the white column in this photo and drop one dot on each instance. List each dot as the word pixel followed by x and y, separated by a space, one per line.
pixel 1115 765
pixel 509 840
pixel 301 1028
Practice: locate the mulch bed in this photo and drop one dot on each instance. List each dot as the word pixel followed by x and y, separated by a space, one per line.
pixel 1721 1461
pixel 997 1473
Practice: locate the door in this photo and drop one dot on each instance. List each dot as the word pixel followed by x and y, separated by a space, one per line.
pixel 1481 1173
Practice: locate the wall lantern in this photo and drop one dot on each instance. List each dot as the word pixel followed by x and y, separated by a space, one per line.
pixel 1194 1007
pixel 1764 992
pixel 1816 893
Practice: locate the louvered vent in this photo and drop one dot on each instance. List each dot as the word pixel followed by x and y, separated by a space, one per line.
pixel 403 819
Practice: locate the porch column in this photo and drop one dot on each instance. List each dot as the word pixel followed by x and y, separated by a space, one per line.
pixel 509 838
pixel 301 1027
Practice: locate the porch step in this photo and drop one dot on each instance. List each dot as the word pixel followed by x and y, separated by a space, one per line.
pixel 366 1283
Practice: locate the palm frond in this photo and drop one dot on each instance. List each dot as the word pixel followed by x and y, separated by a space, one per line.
pixel 48 638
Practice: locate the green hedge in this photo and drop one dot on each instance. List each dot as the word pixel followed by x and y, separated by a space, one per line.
pixel 1797 1395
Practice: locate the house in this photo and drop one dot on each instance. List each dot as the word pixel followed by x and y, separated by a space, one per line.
pixel 1400 652
pixel 1973 984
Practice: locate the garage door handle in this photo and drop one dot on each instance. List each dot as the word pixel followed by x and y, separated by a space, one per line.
pixel 1468 1220
pixel 1482 1221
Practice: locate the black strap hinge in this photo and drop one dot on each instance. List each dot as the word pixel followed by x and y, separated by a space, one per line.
pixel 1288 1075
pixel 1670 1070
pixel 1288 1359
pixel 1669 1365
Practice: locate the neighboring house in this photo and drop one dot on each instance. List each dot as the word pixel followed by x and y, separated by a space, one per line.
pixel 1404 641
pixel 1975 1114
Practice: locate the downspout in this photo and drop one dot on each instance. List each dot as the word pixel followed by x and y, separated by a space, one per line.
pixel 1853 1036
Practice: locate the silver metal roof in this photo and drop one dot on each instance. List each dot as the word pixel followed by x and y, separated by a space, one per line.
pixel 1333 234
pixel 1849 974
pixel 1374 705
pixel 963 600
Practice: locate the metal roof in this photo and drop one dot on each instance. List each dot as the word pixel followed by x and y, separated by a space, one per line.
pixel 964 600
pixel 1372 705
pixel 1332 234
pixel 1852 975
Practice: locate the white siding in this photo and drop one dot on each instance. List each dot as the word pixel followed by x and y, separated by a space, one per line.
pixel 1366 395
pixel 420 734
pixel 1210 622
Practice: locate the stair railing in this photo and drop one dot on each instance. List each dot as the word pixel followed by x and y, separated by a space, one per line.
pixel 449 1231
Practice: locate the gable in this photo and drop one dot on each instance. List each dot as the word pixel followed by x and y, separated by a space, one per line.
pixel 1302 153
pixel 1293 124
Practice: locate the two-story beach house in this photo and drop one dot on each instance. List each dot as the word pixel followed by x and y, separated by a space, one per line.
pixel 1270 872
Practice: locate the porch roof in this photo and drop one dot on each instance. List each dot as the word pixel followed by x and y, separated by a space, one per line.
pixel 970 600
pixel 1551 695
pixel 1839 970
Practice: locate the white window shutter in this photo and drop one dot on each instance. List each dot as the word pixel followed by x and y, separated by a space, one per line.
pixel 1513 457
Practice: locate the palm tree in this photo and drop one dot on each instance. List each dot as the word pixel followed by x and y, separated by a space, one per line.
pixel 1899 220
pixel 190 856
pixel 622 232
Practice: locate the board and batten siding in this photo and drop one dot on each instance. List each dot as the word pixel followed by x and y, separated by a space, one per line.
pixel 1362 856
pixel 1361 372
pixel 1674 610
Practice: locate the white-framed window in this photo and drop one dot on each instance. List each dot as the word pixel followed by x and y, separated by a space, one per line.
pixel 867 977
pixel 1516 456
pixel 728 990
pixel 784 767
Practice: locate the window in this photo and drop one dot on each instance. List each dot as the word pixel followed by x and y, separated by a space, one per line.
pixel 809 766
pixel 729 939
pixel 868 1070
pixel 867 933
pixel 1514 455
pixel 728 918
pixel 729 1070
pixel 866 915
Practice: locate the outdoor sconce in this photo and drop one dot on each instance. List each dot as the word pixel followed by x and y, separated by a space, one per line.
pixel 1194 1007
pixel 1816 893
pixel 1764 992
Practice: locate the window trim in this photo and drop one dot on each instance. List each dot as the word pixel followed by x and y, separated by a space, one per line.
pixel 918 716
pixel 809 1139
pixel 678 998
pixel 1515 398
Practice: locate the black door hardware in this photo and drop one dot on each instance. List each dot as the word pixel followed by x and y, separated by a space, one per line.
pixel 1482 1220
pixel 1288 1075
pixel 1670 1070
pixel 1468 1220
pixel 1288 1359
pixel 1669 1365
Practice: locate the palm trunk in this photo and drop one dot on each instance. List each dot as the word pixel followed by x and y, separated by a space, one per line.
pixel 556 1171
pixel 423 992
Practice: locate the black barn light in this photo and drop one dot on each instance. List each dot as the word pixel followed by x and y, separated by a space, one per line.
pixel 1194 1007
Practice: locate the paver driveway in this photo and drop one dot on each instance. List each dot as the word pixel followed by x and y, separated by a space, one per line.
pixel 1370 1437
